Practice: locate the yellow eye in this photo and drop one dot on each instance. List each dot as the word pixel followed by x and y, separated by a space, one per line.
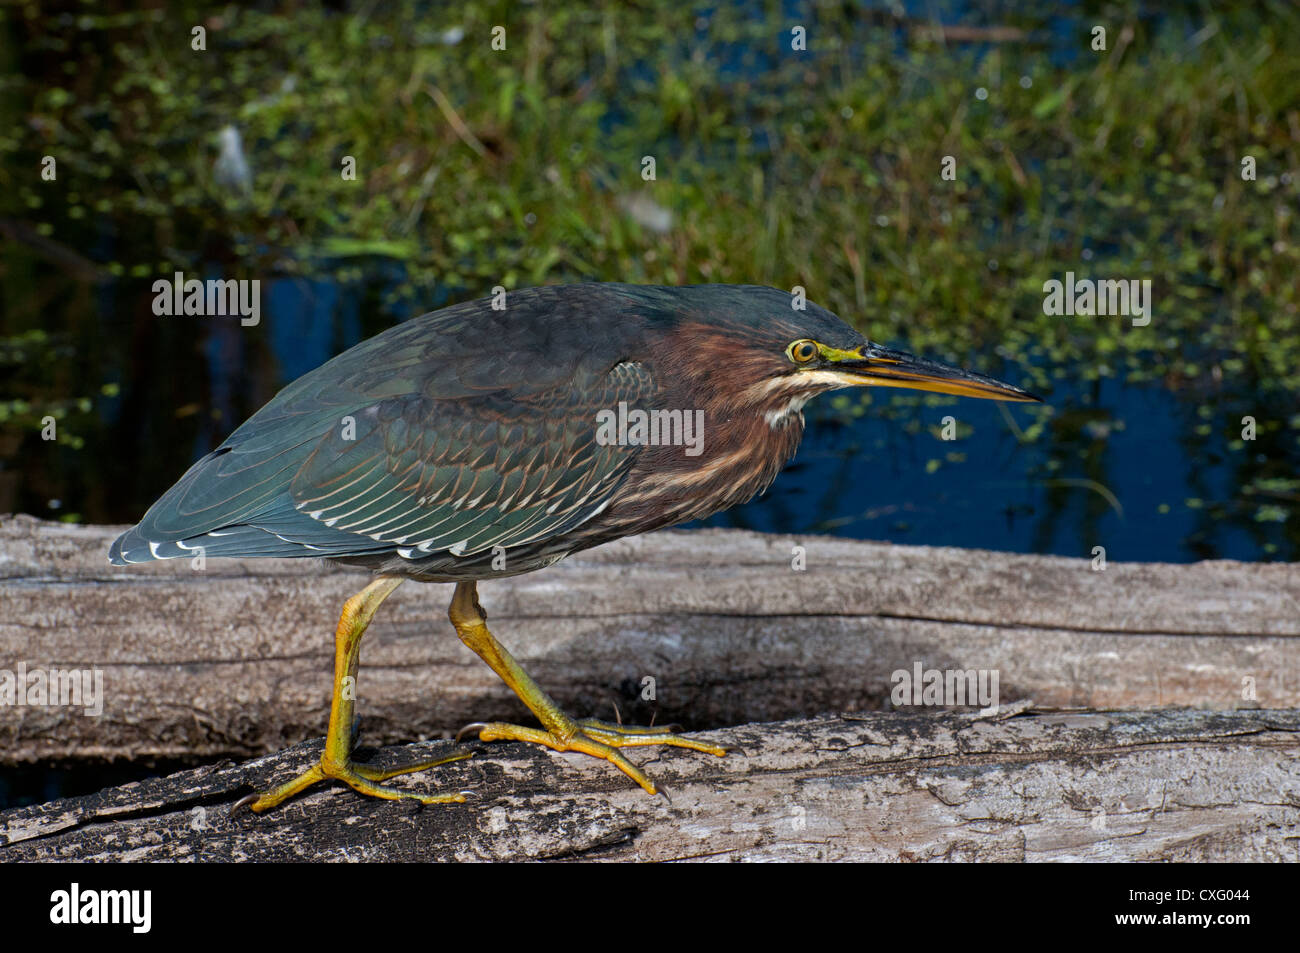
pixel 801 352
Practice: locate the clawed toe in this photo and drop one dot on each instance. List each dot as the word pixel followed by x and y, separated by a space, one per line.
pixel 362 778
pixel 596 738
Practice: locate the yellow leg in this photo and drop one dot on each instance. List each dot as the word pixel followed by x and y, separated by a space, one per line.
pixel 336 762
pixel 559 732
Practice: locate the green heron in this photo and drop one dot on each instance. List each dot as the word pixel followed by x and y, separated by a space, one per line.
pixel 483 441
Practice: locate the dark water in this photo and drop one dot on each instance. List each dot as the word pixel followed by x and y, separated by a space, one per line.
pixel 1119 471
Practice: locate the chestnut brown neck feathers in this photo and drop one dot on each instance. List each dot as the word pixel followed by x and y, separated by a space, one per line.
pixel 750 407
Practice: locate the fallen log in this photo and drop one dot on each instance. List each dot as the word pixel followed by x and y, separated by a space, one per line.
pixel 234 660
pixel 1103 786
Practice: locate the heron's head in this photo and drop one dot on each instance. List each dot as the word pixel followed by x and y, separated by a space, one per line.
pixel 766 353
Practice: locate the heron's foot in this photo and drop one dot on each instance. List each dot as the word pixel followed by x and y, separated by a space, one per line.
pixel 361 778
pixel 600 739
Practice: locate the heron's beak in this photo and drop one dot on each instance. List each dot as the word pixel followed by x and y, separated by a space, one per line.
pixel 877 366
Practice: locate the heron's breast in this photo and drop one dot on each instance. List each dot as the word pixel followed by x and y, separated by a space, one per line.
pixel 735 460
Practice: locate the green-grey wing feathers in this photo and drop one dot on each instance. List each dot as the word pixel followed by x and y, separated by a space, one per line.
pixel 388 449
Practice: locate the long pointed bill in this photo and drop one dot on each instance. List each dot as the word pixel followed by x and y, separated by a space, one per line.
pixel 884 367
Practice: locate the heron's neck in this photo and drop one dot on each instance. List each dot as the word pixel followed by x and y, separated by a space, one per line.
pixel 741 449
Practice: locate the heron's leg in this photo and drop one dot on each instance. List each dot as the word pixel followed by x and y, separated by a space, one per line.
pixel 336 761
pixel 559 731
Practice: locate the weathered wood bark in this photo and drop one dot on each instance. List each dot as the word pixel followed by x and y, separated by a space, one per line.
pixel 235 660
pixel 1173 785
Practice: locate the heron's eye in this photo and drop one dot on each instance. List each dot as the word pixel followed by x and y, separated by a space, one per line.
pixel 801 352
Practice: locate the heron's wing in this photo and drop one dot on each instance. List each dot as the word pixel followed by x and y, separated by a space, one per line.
pixel 465 476
pixel 407 473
